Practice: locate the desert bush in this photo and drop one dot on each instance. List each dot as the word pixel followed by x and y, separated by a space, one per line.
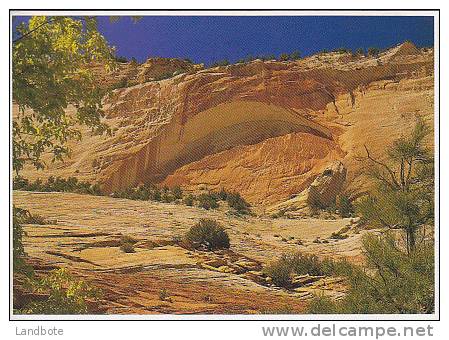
pixel 209 234
pixel 322 305
pixel 156 195
pixel 223 194
pixel 57 184
pixel 344 206
pixel 66 295
pixel 177 192
pixel 122 83
pixel 167 197
pixel 342 50
pixel 127 247
pixel 237 202
pixel 295 55
pixel 338 236
pixel 282 269
pixel 360 51
pixel 207 201
pixel 164 295
pixel 280 272
pixel 165 75
pixel 284 57
pixel 395 281
pixel 121 59
pixel 189 200
pixel 223 62
pixel 127 239
pixel 373 51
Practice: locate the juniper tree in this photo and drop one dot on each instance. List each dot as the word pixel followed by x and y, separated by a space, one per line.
pixel 404 195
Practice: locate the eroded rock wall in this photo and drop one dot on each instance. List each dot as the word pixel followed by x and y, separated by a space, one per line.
pixel 265 129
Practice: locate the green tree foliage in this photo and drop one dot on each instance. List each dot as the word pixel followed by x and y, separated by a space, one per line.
pixel 360 51
pixel 404 195
pixel 209 234
pixel 19 217
pixel 393 281
pixel 66 295
pixel 284 57
pixel 50 72
pixel 295 55
pixel 342 50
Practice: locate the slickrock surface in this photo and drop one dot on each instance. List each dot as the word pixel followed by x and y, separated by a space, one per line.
pixel 85 233
pixel 264 129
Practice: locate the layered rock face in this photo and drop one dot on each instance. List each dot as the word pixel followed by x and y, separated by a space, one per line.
pixel 264 129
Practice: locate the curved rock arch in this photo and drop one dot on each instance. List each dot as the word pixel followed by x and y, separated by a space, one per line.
pixel 208 132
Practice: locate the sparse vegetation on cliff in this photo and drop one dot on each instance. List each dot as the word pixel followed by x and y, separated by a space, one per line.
pixel 56 184
pixel 208 200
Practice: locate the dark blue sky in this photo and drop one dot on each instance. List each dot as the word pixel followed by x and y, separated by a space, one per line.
pixel 211 38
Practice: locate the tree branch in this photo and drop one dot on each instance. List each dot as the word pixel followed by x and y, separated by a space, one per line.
pixel 391 172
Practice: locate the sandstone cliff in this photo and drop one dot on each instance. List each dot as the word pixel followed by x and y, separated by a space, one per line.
pixel 264 129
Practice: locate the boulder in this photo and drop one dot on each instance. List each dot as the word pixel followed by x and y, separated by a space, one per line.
pixel 320 194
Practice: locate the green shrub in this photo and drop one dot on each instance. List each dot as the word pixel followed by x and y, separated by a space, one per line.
pixel 237 202
pixel 223 62
pixel 342 50
pixel 127 247
pixel 66 295
pixel 207 201
pixel 177 192
pixel 19 215
pixel 223 194
pixel 209 234
pixel 344 206
pixel 284 57
pixel 322 305
pixel 127 239
pixel 156 195
pixel 189 200
pixel 373 51
pixel 121 59
pixel 165 75
pixel 164 295
pixel 282 269
pixel 20 183
pixel 295 55
pixel 167 198
pixel 394 281
pixel 57 184
pixel 280 272
pixel 338 236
